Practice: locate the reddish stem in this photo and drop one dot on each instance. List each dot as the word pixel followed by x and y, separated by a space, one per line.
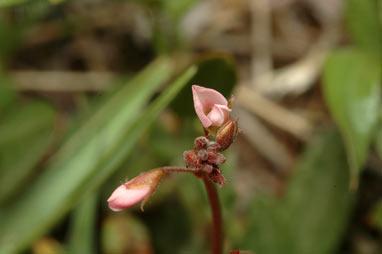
pixel 177 170
pixel 213 198
pixel 216 232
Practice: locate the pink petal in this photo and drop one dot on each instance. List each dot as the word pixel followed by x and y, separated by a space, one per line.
pixel 123 198
pixel 216 115
pixel 204 100
pixel 219 114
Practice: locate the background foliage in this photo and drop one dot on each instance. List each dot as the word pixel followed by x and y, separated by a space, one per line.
pixel 94 92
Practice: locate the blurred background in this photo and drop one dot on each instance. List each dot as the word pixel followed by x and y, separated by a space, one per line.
pixel 93 92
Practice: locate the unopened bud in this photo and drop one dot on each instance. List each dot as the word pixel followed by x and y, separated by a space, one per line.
pixel 136 190
pixel 190 158
pixel 200 143
pixel 220 159
pixel 213 147
pixel 203 155
pixel 207 168
pixel 217 177
pixel 227 134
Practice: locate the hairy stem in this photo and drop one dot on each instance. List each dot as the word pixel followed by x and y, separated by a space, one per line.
pixel 177 170
pixel 216 232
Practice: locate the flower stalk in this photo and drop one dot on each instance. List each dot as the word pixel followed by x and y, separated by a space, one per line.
pixel 216 230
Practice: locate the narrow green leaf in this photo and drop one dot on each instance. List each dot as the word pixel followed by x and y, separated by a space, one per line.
pixel 23 120
pixel 82 233
pixel 26 134
pixel 353 94
pixel 140 126
pixel 364 23
pixel 84 155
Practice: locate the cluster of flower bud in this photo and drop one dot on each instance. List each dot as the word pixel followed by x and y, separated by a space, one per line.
pixel 205 159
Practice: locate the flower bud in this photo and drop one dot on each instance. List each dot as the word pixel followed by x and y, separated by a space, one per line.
pixel 203 155
pixel 190 158
pixel 227 134
pixel 213 147
pixel 220 159
pixel 217 177
pixel 207 168
pixel 136 190
pixel 200 143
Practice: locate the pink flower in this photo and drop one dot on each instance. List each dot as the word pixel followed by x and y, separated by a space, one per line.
pixel 136 190
pixel 124 197
pixel 210 106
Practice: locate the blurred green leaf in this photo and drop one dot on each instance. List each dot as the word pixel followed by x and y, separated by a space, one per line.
pixel 269 231
pixel 168 16
pixel 7 95
pixel 217 73
pixel 378 141
pixel 318 196
pixel 23 120
pixel 352 90
pixel 376 216
pixel 14 3
pixel 26 132
pixel 364 24
pixel 83 228
pixel 314 212
pixel 8 3
pixel 91 155
pixel 176 9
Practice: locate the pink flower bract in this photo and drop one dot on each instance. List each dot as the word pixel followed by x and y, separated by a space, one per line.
pixel 138 189
pixel 210 106
pixel 123 197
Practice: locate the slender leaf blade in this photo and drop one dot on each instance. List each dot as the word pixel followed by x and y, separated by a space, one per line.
pixel 59 188
pixel 82 233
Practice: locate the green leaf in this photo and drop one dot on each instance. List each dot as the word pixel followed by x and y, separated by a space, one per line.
pixel 7 95
pixel 364 24
pixel 82 233
pixel 92 154
pixel 269 231
pixel 217 73
pixel 378 142
pixel 8 3
pixel 353 94
pixel 26 134
pixel 312 216
pixel 318 196
pixel 376 215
